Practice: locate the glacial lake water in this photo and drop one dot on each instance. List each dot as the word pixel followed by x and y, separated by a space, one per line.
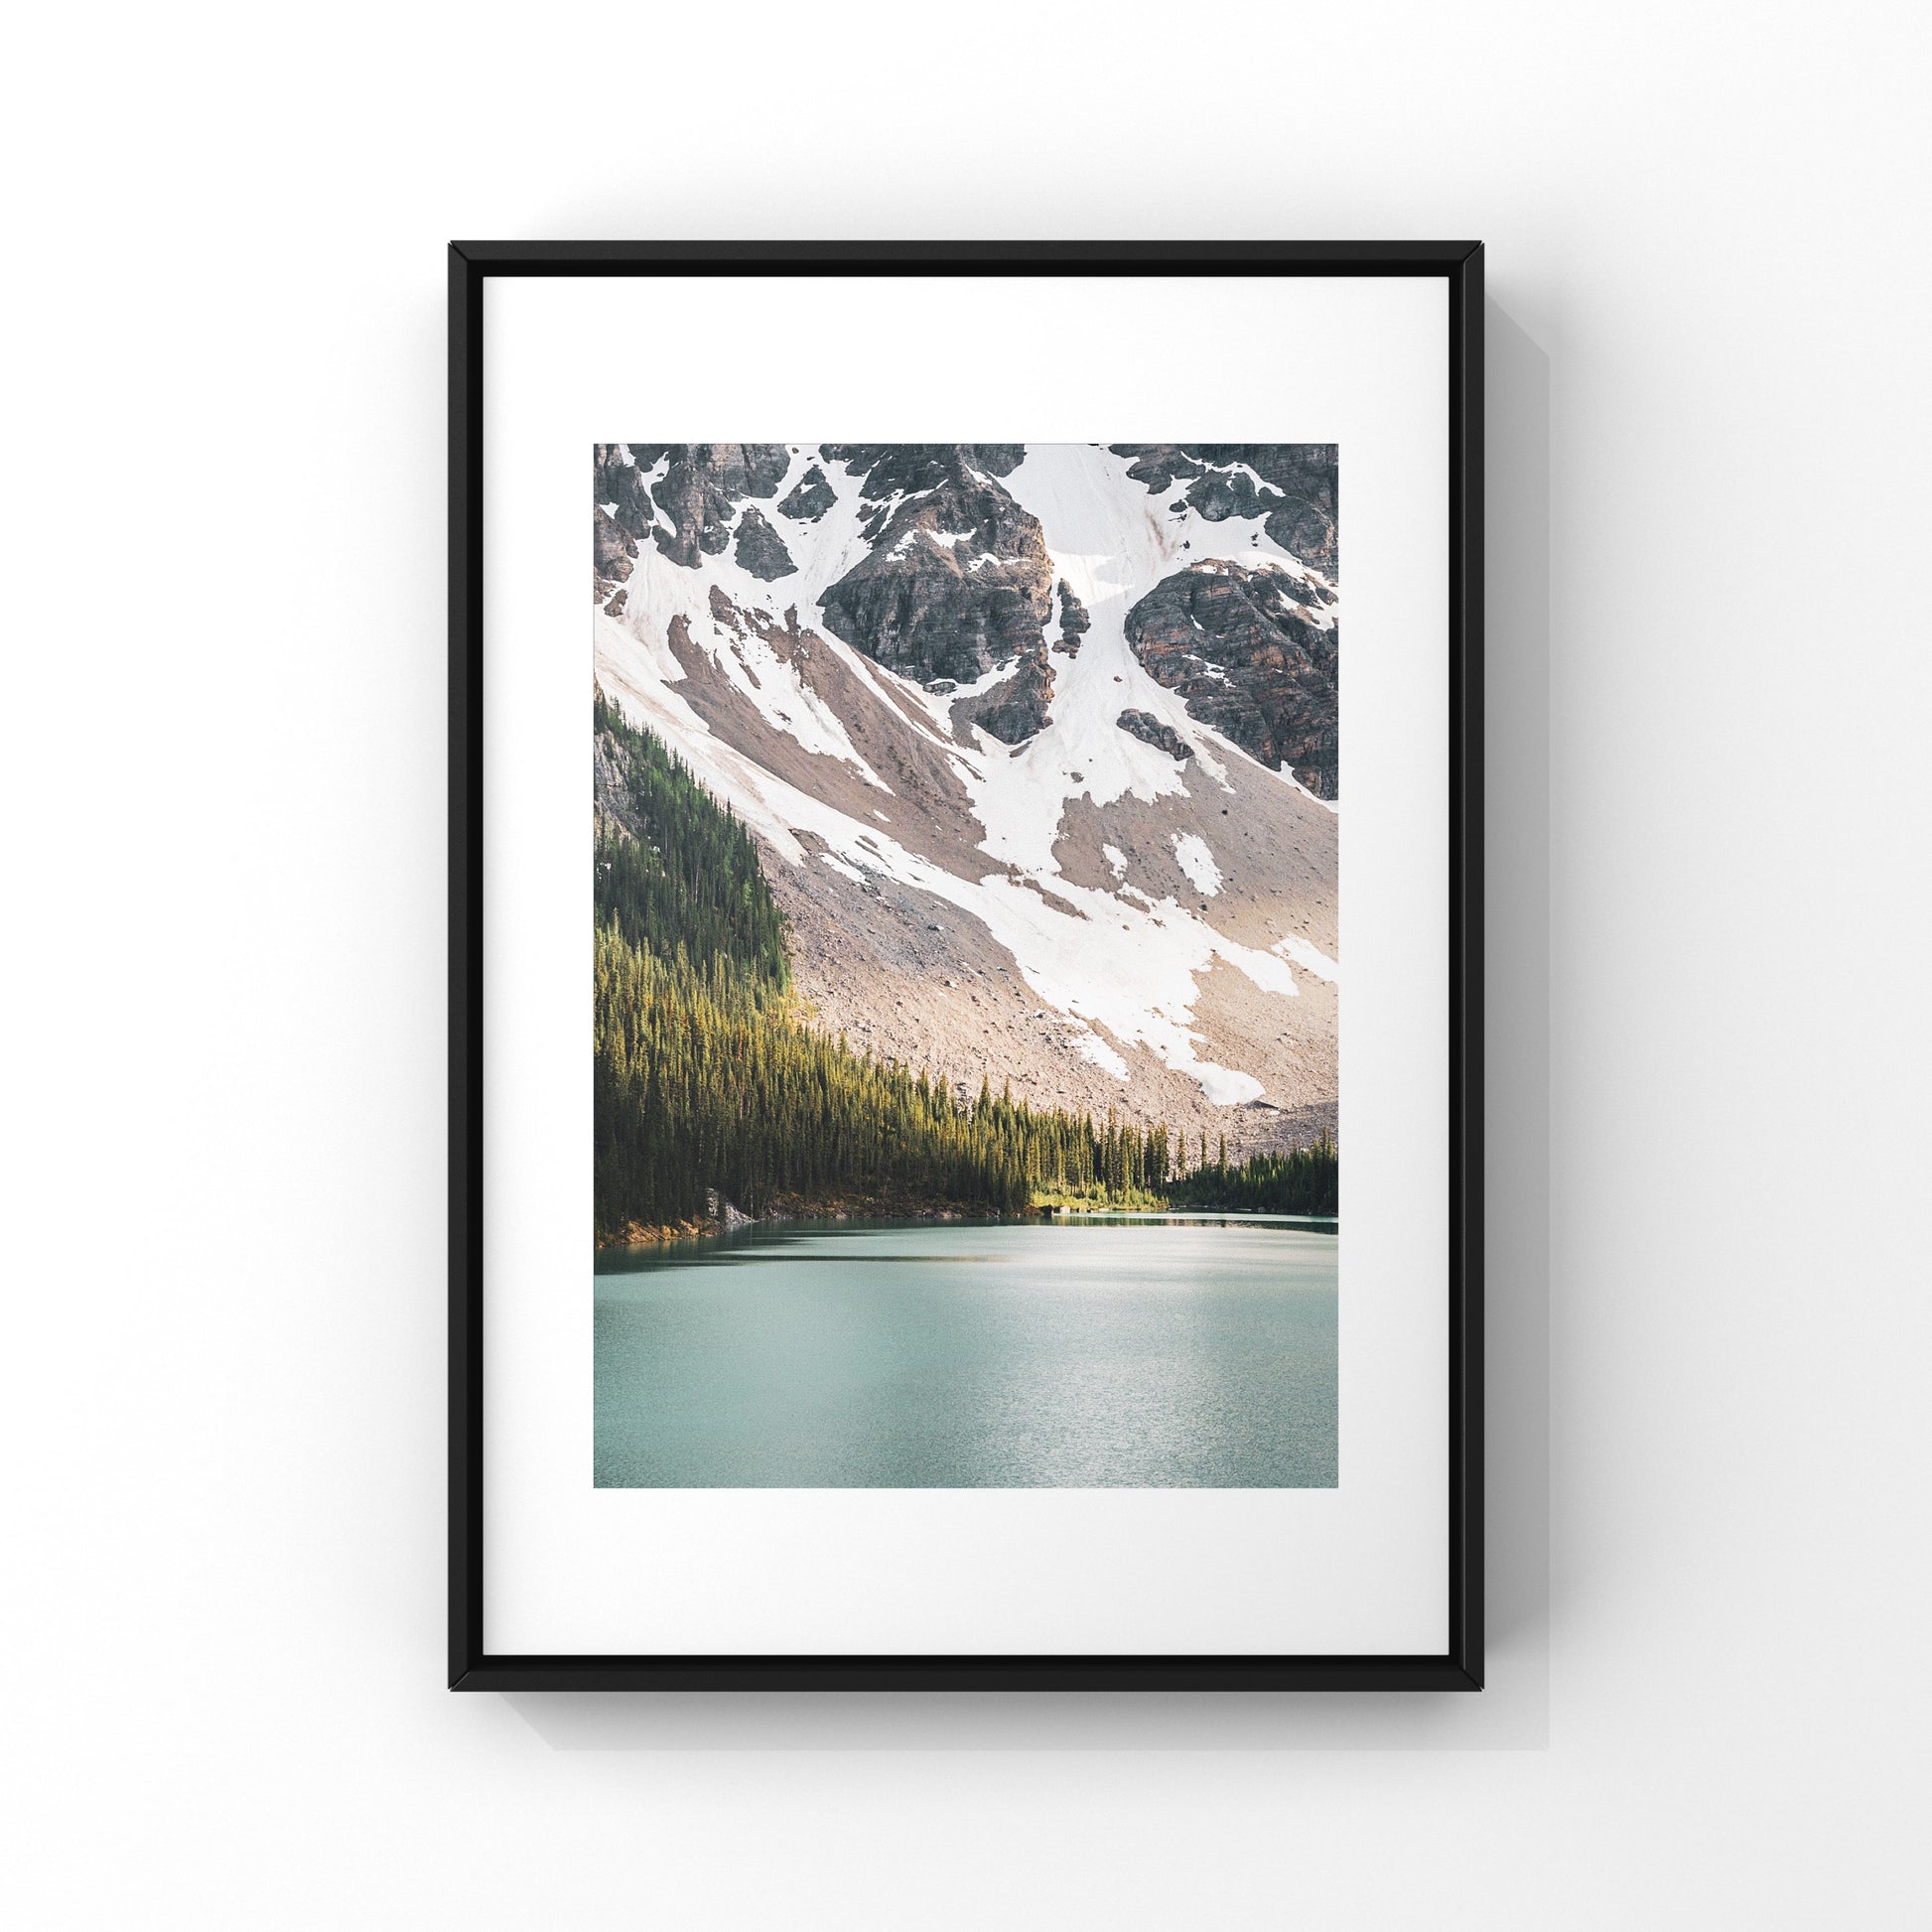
pixel 1082 1353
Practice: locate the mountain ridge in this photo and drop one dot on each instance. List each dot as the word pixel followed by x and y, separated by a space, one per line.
pixel 1006 834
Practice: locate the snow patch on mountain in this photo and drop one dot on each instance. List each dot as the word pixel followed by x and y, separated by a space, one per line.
pixel 1090 1046
pixel 1103 960
pixel 1310 959
pixel 660 593
pixel 1194 858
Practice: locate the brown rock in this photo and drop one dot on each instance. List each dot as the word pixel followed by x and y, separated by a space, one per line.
pixel 1251 659
pixel 957 579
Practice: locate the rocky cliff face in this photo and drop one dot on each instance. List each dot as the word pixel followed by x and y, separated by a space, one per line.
pixel 1015 710
pixel 957 580
pixel 1251 654
pixel 1074 621
pixel 904 469
pixel 683 497
pixel 761 549
pixel 1155 732
pixel 620 489
pixel 700 489
pixel 613 548
pixel 809 498
pixel 1293 483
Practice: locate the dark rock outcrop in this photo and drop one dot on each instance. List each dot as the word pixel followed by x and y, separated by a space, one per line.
pixel 1221 494
pixel 1015 710
pixel 761 549
pixel 619 485
pixel 890 469
pixel 956 579
pixel 613 548
pixel 615 808
pixel 809 498
pixel 1156 464
pixel 703 485
pixel 688 512
pixel 1074 621
pixel 1299 497
pixel 1247 652
pixel 1151 730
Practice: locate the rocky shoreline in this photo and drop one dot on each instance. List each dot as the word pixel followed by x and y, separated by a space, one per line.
pixel 725 1217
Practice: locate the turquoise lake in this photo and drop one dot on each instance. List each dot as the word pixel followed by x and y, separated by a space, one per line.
pixel 1080 1353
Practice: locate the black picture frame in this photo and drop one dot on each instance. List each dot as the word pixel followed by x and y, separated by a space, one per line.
pixel 472 1667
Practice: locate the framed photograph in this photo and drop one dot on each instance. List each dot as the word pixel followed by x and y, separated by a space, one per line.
pixel 965 966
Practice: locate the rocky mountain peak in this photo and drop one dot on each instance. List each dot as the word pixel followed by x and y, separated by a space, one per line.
pixel 701 486
pixel 761 549
pixel 1252 654
pixel 1294 483
pixel 683 497
pixel 809 498
pixel 1074 621
pixel 888 469
pixel 957 579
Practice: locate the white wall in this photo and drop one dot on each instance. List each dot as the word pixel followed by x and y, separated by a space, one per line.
pixel 222 772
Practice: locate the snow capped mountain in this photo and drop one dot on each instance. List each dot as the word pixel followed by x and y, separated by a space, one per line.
pixel 1040 740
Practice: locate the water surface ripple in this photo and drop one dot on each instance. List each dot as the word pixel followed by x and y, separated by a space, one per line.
pixel 962 1355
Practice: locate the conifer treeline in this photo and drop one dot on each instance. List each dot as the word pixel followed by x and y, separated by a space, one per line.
pixel 1305 1181
pixel 673 869
pixel 708 1076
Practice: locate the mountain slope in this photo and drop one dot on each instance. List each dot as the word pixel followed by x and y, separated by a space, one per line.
pixel 984 706
pixel 709 1084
